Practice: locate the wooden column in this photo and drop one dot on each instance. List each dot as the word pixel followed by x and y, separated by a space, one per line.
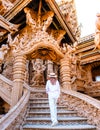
pixel 49 67
pixel 65 72
pixel 19 68
pixel 89 73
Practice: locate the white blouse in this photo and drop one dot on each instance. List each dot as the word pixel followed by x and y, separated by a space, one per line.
pixel 53 91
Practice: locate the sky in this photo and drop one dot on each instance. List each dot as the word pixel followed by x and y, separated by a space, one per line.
pixel 86 14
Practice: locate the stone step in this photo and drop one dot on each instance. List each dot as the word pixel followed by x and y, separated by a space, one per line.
pixel 38 117
pixel 39 102
pixel 47 114
pixel 45 108
pixel 62 120
pixel 58 127
pixel 43 104
pixel 39 91
pixel 38 99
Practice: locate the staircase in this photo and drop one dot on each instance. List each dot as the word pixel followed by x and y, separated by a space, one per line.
pixel 38 117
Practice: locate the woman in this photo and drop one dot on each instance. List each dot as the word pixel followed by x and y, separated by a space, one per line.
pixel 53 91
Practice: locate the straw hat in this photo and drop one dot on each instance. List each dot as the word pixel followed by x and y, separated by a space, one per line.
pixel 52 75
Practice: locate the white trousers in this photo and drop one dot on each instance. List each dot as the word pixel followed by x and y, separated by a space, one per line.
pixel 53 108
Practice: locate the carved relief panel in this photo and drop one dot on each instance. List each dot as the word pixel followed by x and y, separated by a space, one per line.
pixel 37 75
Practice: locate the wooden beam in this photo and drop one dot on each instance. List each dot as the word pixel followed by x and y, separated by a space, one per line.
pixel 16 9
pixel 53 6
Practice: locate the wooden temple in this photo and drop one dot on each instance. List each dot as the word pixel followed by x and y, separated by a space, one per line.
pixel 38 37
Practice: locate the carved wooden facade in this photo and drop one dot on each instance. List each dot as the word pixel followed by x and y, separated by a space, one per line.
pixel 37 39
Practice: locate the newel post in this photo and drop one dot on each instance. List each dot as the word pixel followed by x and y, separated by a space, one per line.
pixel 19 67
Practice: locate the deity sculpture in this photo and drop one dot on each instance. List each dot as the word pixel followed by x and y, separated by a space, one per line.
pixel 38 77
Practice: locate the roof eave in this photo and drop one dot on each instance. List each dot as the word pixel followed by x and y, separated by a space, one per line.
pixel 53 5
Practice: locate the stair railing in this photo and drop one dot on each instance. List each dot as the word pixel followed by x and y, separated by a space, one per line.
pixel 5 89
pixel 84 105
pixel 14 118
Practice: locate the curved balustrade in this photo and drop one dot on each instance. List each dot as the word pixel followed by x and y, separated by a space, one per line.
pixel 83 104
pixel 5 80
pixel 5 89
pixel 14 117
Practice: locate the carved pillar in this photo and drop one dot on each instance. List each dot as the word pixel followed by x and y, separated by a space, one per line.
pixel 55 66
pixel 19 68
pixel 89 74
pixel 49 67
pixel 65 72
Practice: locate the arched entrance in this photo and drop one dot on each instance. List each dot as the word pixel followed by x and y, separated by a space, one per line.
pixel 34 41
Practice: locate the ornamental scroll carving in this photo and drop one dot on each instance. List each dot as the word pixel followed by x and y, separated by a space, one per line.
pixel 37 40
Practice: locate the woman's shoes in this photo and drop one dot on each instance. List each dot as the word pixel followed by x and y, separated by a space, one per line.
pixel 54 123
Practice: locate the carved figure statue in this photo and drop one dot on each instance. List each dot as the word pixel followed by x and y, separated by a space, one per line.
pixel 13 43
pixel 38 77
pixel 31 17
pixel 3 51
pixel 97 32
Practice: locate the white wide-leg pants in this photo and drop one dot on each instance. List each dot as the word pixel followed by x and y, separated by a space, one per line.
pixel 53 108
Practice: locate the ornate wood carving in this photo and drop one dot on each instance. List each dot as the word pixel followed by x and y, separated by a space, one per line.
pixel 19 68
pixel 65 70
pixel 97 32
pixel 38 75
pixel 69 12
pixel 7 25
pixel 83 104
pixel 5 89
pixel 5 6
pixel 3 51
pixel 49 67
pixel 34 41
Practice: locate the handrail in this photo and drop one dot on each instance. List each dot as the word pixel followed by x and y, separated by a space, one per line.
pixel 27 87
pixel 83 104
pixel 5 89
pixel 86 98
pixel 5 95
pixel 10 117
pixel 6 80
